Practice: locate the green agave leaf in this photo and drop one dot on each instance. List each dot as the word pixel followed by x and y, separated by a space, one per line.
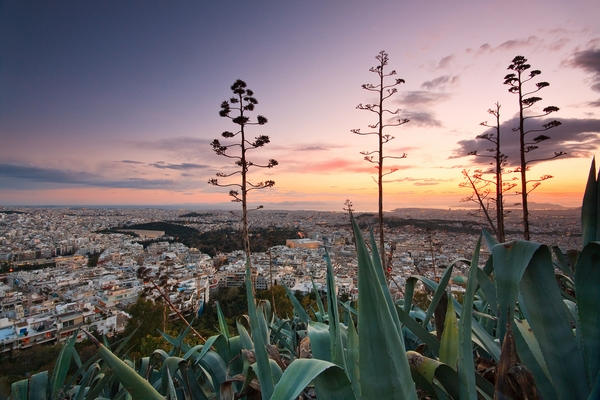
pixel 214 366
pixel 466 367
pixel 423 334
pixel 587 283
pixel 488 288
pixel 433 370
pixel 589 208
pixel 352 357
pixel 449 341
pixel 321 315
pixel 190 382
pixel 490 241
pixel 320 342
pixel 223 328
pixel 529 351
pixel 61 367
pixel 547 314
pixel 439 291
pixel 177 344
pixel 19 390
pixel 336 346
pixel 297 306
pixel 330 380
pixel 128 377
pixel 384 370
pixel 245 339
pixel 481 335
pixel 409 292
pixel 263 370
pixel 510 261
pixel 86 381
pixel 562 261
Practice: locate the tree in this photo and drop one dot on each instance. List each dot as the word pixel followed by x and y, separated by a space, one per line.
pixel 241 103
pixel 377 157
pixel 516 81
pixel 482 186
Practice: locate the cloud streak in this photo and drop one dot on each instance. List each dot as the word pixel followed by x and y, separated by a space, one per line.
pixel 577 137
pixel 35 175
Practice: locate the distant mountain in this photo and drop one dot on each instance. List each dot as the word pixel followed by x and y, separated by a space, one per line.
pixel 532 206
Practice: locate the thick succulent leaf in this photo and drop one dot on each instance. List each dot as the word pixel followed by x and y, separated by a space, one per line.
pixel 587 283
pixel 352 357
pixel 449 342
pixel 215 367
pixel 384 370
pixel 335 336
pixel 409 291
pixel 466 367
pixel 417 329
pixel 190 382
pixel 321 314
pixel 300 311
pixel 547 315
pixel 439 292
pixel 61 367
pixel 86 381
pixel 510 261
pixel 128 377
pixel 36 387
pixel 562 262
pixel 223 328
pixel 330 380
pixel 433 370
pixel 320 342
pixel 488 288
pixel 178 344
pixel 589 208
pixel 490 241
pixel 263 369
pixel 531 356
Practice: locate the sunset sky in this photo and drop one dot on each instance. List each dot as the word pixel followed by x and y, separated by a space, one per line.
pixel 116 102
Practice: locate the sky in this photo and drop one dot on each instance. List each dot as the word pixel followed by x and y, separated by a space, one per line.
pixel 117 102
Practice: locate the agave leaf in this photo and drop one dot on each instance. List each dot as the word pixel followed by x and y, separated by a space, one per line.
pixel 263 370
pixel 449 341
pixel 562 261
pixel 490 241
pixel 417 329
pixel 245 339
pixel 330 380
pixel 128 377
pixel 61 367
pixel 223 328
pixel 482 337
pixel 547 314
pixel 433 370
pixel 439 292
pixel 177 344
pixel 321 315
pixel 530 354
pixel 320 342
pixel 409 292
pixel 336 346
pixel 510 261
pixel 19 390
pixel 352 357
pixel 297 306
pixel 86 381
pixel 466 367
pixel 488 289
pixel 384 370
pixel 589 207
pixel 190 382
pixel 587 282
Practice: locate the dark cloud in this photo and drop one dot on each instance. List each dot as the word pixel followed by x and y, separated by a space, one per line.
pixel 421 119
pixel 577 137
pixel 440 83
pixel 62 178
pixel 313 148
pixel 518 43
pixel 446 61
pixel 421 97
pixel 589 61
pixel 179 167
pixel 131 162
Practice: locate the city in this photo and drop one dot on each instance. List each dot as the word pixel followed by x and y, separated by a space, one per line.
pixel 59 274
